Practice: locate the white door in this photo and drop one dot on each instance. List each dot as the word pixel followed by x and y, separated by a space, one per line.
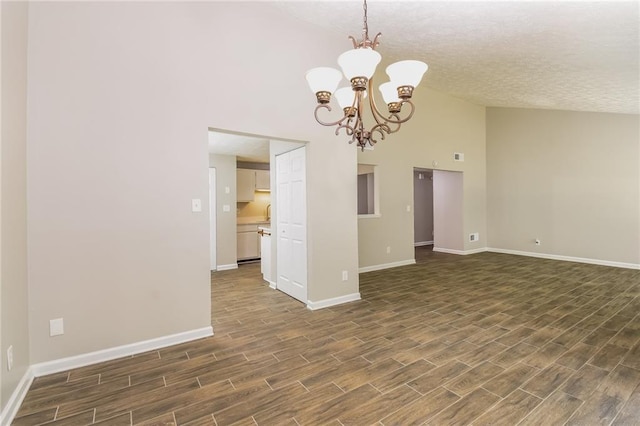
pixel 291 217
pixel 212 217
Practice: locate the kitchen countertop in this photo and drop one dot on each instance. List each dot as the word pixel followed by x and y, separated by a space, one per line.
pixel 253 221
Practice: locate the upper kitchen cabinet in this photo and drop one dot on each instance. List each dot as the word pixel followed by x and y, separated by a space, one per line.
pixel 249 181
pixel 246 184
pixel 263 180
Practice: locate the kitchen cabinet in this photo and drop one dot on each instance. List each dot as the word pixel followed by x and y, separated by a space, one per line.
pixel 263 180
pixel 248 242
pixel 249 181
pixel 265 252
pixel 245 185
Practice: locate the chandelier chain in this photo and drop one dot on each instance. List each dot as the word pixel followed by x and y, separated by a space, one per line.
pixel 365 28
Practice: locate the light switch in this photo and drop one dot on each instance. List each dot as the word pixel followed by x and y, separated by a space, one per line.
pixel 408 208
pixel 56 327
pixel 226 208
pixel 227 190
pixel 196 205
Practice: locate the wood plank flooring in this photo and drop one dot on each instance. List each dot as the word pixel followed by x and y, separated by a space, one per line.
pixel 487 339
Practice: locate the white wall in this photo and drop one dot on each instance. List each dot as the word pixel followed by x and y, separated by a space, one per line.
pixel 571 179
pixel 433 134
pixel 448 219
pixel 121 96
pixel 13 199
pixel 226 235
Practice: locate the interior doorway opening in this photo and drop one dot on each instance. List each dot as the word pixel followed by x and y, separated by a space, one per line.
pixel 243 212
pixel 438 210
pixel 423 230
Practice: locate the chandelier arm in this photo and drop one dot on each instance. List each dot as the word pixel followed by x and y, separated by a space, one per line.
pixel 377 115
pixel 324 123
pixel 394 118
pixel 354 41
pixel 349 129
pixel 382 129
pixel 397 125
pixel 408 117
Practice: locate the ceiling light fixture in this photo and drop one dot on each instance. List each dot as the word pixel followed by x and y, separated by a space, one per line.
pixel 358 66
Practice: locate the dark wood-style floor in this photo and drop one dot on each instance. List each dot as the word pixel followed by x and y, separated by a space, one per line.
pixel 487 339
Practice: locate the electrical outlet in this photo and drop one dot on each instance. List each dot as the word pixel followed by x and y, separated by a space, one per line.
pixel 196 205
pixel 458 156
pixel 388 249
pixel 345 275
pixel 10 358
pixel 537 242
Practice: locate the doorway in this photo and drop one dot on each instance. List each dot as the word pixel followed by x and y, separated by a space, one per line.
pixel 423 230
pixel 230 152
pixel 438 210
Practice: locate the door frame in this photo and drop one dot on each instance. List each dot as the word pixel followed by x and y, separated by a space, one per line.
pixel 213 252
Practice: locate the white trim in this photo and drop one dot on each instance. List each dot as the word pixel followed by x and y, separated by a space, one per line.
pixel 64 364
pixel 369 216
pixel 386 265
pixel 15 400
pixel 332 302
pixel 272 284
pixel 460 252
pixel 227 267
pixel 477 250
pixel 423 243
pixel 566 258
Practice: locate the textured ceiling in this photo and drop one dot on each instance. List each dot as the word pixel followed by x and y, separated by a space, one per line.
pixel 570 55
pixel 245 147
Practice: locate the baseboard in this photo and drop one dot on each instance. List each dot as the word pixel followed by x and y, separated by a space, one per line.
pixel 386 265
pixel 423 243
pixel 332 302
pixel 15 400
pixel 567 258
pixel 69 363
pixel 272 284
pixel 460 252
pixel 227 267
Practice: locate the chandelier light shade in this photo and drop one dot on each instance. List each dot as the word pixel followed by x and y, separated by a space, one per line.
pixel 323 81
pixel 358 66
pixel 359 62
pixel 389 92
pixel 345 97
pixel 407 73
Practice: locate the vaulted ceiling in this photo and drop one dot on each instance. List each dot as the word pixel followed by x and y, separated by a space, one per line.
pixel 570 55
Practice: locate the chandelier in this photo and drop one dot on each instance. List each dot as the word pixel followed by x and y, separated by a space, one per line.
pixel 358 66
